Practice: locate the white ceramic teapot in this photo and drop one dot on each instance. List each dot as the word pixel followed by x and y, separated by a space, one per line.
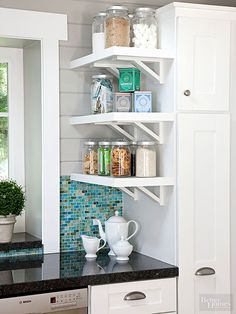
pixel 115 228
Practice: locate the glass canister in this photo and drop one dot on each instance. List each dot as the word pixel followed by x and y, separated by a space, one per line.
pixel 120 159
pixel 131 16
pixel 104 158
pixel 133 148
pixel 98 30
pixel 90 158
pixel 117 27
pixel 144 28
pixel 102 94
pixel 146 159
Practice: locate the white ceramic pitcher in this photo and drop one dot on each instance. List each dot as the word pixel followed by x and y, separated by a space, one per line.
pixel 92 245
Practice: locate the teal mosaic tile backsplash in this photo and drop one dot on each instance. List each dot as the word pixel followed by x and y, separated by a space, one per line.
pixel 80 204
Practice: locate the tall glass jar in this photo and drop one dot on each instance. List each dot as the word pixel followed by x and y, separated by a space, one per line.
pixel 98 30
pixel 120 159
pixel 133 148
pixel 102 94
pixel 117 27
pixel 144 28
pixel 146 159
pixel 104 158
pixel 90 158
pixel 131 16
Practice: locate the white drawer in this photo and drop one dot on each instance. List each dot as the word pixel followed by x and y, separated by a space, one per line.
pixel 110 299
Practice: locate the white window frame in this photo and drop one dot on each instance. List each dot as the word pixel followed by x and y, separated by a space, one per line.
pixel 16 161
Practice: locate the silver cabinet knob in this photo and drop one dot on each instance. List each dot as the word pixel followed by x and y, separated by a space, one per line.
pixel 187 92
pixel 205 271
pixel 134 296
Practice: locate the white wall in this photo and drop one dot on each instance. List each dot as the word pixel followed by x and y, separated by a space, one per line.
pixel 33 146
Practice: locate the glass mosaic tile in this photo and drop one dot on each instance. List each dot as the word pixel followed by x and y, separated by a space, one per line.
pixel 80 204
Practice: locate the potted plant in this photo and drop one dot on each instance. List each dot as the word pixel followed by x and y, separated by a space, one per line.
pixel 12 201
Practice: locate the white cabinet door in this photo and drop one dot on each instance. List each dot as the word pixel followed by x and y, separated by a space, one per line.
pixel 140 297
pixel 203 54
pixel 203 210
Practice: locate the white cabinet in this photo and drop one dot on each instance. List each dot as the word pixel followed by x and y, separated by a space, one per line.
pixel 203 207
pixel 140 297
pixel 203 55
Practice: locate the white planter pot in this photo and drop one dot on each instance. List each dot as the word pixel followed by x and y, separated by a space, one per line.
pixel 6 228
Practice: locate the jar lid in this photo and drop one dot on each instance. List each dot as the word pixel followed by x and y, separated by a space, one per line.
pixel 90 142
pixel 117 7
pixel 100 14
pixel 148 10
pixel 105 143
pixel 120 143
pixel 147 143
pixel 102 76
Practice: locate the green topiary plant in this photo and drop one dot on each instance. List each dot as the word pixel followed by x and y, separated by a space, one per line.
pixel 12 198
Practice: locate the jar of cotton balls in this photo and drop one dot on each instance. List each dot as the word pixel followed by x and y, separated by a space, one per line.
pixel 144 28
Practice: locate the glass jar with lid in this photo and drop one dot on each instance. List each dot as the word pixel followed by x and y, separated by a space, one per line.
pixel 90 157
pixel 104 158
pixel 98 30
pixel 120 159
pixel 117 27
pixel 146 159
pixel 133 148
pixel 144 28
pixel 102 94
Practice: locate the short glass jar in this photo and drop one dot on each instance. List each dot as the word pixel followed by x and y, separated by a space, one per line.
pixel 117 27
pixel 102 94
pixel 146 159
pixel 98 30
pixel 104 158
pixel 144 28
pixel 90 158
pixel 120 159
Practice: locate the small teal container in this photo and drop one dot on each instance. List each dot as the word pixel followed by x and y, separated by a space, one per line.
pixel 142 101
pixel 129 79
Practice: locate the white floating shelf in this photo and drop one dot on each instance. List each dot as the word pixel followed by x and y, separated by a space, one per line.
pixel 115 57
pixel 136 119
pixel 131 185
pixel 123 118
pixel 123 182
pixel 126 53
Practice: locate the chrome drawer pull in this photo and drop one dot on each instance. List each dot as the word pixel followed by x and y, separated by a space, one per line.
pixel 135 295
pixel 205 271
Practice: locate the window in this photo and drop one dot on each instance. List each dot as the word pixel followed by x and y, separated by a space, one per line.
pixel 11 115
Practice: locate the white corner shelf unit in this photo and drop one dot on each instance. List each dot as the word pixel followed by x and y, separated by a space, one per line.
pixel 139 120
pixel 116 57
pixel 145 60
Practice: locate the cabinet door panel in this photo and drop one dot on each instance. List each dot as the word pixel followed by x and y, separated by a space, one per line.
pixel 203 56
pixel 203 208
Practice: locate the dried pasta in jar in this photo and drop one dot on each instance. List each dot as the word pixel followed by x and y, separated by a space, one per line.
pixel 120 159
pixel 90 159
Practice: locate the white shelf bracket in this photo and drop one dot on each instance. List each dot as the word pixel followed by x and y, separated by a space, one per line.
pixel 158 138
pixel 147 70
pixel 120 130
pixel 159 199
pixel 132 194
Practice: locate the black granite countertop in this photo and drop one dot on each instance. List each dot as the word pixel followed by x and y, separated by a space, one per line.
pixel 65 271
pixel 21 240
